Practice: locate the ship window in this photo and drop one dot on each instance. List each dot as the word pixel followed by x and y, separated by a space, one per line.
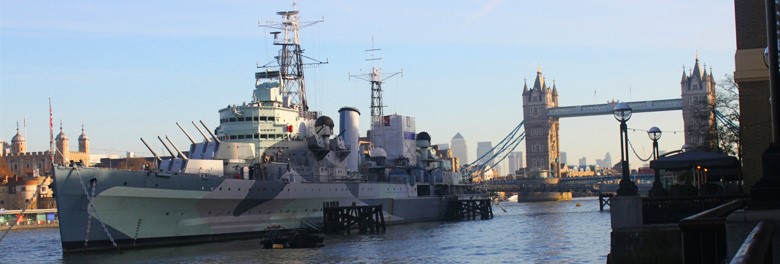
pixel 240 119
pixel 233 137
pixel 254 118
pixel 257 135
pixel 271 118
pixel 263 118
pixel 233 119
pixel 263 136
pixel 240 136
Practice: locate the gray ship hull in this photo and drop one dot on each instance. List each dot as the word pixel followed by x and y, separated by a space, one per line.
pixel 140 208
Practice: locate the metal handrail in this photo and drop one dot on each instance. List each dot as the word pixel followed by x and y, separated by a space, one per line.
pixel 757 245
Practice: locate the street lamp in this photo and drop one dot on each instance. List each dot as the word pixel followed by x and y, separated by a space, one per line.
pixel 622 112
pixel 658 190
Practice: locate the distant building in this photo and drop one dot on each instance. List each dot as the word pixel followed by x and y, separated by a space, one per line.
pixel 485 148
pixel 459 149
pixel 29 164
pixel 608 161
pixel 443 146
pixel 515 162
pixel 564 159
pixel 19 189
pixel 583 163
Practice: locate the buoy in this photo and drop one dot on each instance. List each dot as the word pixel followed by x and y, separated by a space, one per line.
pixel 577 204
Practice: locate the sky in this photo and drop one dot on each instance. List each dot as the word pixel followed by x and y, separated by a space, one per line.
pixel 131 69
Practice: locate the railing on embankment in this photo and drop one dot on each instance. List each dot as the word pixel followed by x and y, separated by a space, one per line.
pixel 704 234
pixel 670 210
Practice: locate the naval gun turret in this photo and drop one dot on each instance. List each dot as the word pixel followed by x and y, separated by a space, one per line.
pixel 319 142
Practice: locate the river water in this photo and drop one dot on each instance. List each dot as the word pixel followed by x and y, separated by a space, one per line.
pixel 544 232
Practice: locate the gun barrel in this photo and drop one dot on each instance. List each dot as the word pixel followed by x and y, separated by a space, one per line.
pixel 177 149
pixel 150 149
pixel 201 132
pixel 166 147
pixel 209 130
pixel 185 133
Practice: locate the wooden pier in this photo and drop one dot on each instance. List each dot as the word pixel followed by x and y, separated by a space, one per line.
pixel 469 209
pixel 367 218
pixel 605 199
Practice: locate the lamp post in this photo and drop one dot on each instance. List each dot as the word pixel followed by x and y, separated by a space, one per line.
pixel 658 190
pixel 622 112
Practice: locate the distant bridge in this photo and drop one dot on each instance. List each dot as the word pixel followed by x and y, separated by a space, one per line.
pixel 606 109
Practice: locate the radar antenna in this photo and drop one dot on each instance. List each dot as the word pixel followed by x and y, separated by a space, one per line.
pixel 289 60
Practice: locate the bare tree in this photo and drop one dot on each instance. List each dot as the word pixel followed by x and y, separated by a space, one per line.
pixel 727 106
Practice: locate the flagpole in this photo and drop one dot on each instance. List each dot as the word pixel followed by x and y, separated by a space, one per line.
pixel 51 135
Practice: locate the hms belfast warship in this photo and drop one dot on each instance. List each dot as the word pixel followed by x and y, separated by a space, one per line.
pixel 271 163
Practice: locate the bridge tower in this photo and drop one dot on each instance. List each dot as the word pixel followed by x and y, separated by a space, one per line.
pixel 541 130
pixel 698 100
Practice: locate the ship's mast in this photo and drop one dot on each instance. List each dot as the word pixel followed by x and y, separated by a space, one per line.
pixel 376 80
pixel 290 60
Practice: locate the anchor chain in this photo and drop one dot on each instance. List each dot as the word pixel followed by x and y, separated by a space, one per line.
pixel 35 194
pixel 91 208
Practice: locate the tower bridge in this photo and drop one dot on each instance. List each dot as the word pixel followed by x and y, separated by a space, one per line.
pixel 541 115
pixel 606 109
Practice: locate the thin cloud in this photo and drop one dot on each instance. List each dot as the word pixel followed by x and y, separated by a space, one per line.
pixel 487 8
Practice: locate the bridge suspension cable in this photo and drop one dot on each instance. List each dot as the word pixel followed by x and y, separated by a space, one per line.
pixel 510 142
pixel 725 120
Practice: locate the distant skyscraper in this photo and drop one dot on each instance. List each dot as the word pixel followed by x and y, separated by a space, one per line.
pixel 583 162
pixel 459 149
pixel 515 161
pixel 563 158
pixel 608 160
pixel 483 148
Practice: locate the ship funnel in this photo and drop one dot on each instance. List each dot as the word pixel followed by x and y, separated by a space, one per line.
pixel 177 149
pixel 150 149
pixel 205 138
pixel 185 133
pixel 349 125
pixel 166 147
pixel 209 130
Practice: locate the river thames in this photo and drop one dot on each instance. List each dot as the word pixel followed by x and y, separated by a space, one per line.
pixel 544 232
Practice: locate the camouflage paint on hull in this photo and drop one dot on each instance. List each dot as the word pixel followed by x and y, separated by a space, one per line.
pixel 147 208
